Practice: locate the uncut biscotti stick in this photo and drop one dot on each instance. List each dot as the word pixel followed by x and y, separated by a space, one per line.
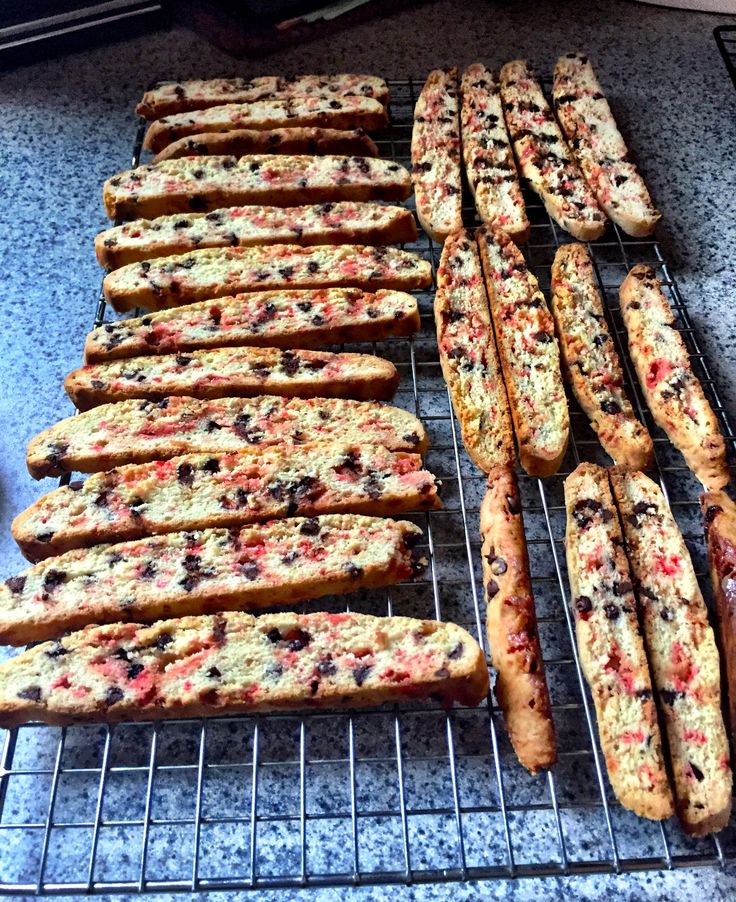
pixel 435 155
pixel 199 94
pixel 321 112
pixel 544 158
pixel 197 491
pixel 610 646
pixel 276 563
pixel 232 662
pixel 215 272
pixel 331 223
pixel 672 391
pixel 489 160
pixel 511 623
pixel 198 184
pixel 235 372
pixel 261 319
pixel 719 518
pixel 468 355
pixel 244 141
pixel 529 355
pixel 682 653
pixel 601 152
pixel 139 431
pixel 590 362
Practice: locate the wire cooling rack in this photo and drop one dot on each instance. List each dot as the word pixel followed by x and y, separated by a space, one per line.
pixel 383 796
pixel 725 36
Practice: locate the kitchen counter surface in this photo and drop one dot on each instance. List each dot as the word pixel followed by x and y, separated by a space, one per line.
pixel 68 124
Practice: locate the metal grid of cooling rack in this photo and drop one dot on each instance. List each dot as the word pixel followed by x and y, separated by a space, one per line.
pixel 725 36
pixel 406 795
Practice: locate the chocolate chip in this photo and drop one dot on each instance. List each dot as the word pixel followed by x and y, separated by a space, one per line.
pixel 113 695
pixel 163 640
pixel 583 604
pixel 457 652
pixel 312 266
pixel 214 674
pixel 57 650
pixel 250 570
pixel 134 670
pixel 274 636
pixel 611 611
pixel 32 694
pixel 290 363
pixel 712 512
pixel 492 588
pixel 219 629
pixel 53 579
pixel 543 337
pixel 297 640
pixel 622 588
pixel 668 696
pixel 183 360
pixel 666 615
pixel 16 584
pixel 411 438
pixel 353 571
pixel 149 571
pixel 310 527
pixel 498 566
pixel 211 466
pixel 185 474
pixel 326 667
pixel 611 407
pixel 697 772
pixel 102 499
pixel 361 672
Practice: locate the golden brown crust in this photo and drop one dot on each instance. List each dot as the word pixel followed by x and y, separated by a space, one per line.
pixel 719 517
pixel 468 357
pixel 610 645
pixel 529 355
pixel 590 362
pixel 278 140
pixel 233 662
pixel 672 391
pixel 511 623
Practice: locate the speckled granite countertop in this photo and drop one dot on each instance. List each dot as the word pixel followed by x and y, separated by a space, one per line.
pixel 67 124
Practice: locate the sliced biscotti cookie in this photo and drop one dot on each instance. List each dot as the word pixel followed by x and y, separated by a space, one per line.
pixel 719 517
pixel 244 141
pixel 489 160
pixel 610 645
pixel 529 355
pixel 235 373
pixel 322 112
pixel 601 152
pixel 275 563
pixel 197 491
pixel 468 355
pixel 198 184
pixel 234 662
pixel 435 155
pixel 590 362
pixel 199 94
pixel 139 431
pixel 338 223
pixel 278 319
pixel 511 624
pixel 544 158
pixel 682 653
pixel 672 391
pixel 215 272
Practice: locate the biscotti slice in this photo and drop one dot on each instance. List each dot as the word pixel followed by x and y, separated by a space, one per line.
pixel 198 184
pixel 235 372
pixel 468 355
pixel 262 319
pixel 233 662
pixel 199 94
pixel 544 158
pixel 511 624
pixel 214 272
pixel 601 152
pixel 672 391
pixel 347 113
pixel 610 646
pixel 719 517
pixel 244 141
pixel 682 653
pixel 590 362
pixel 529 355
pixel 435 155
pixel 139 431
pixel 279 562
pixel 338 223
pixel 489 160
pixel 197 491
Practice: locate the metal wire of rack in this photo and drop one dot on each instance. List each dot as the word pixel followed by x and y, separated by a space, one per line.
pixel 410 795
pixel 725 36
